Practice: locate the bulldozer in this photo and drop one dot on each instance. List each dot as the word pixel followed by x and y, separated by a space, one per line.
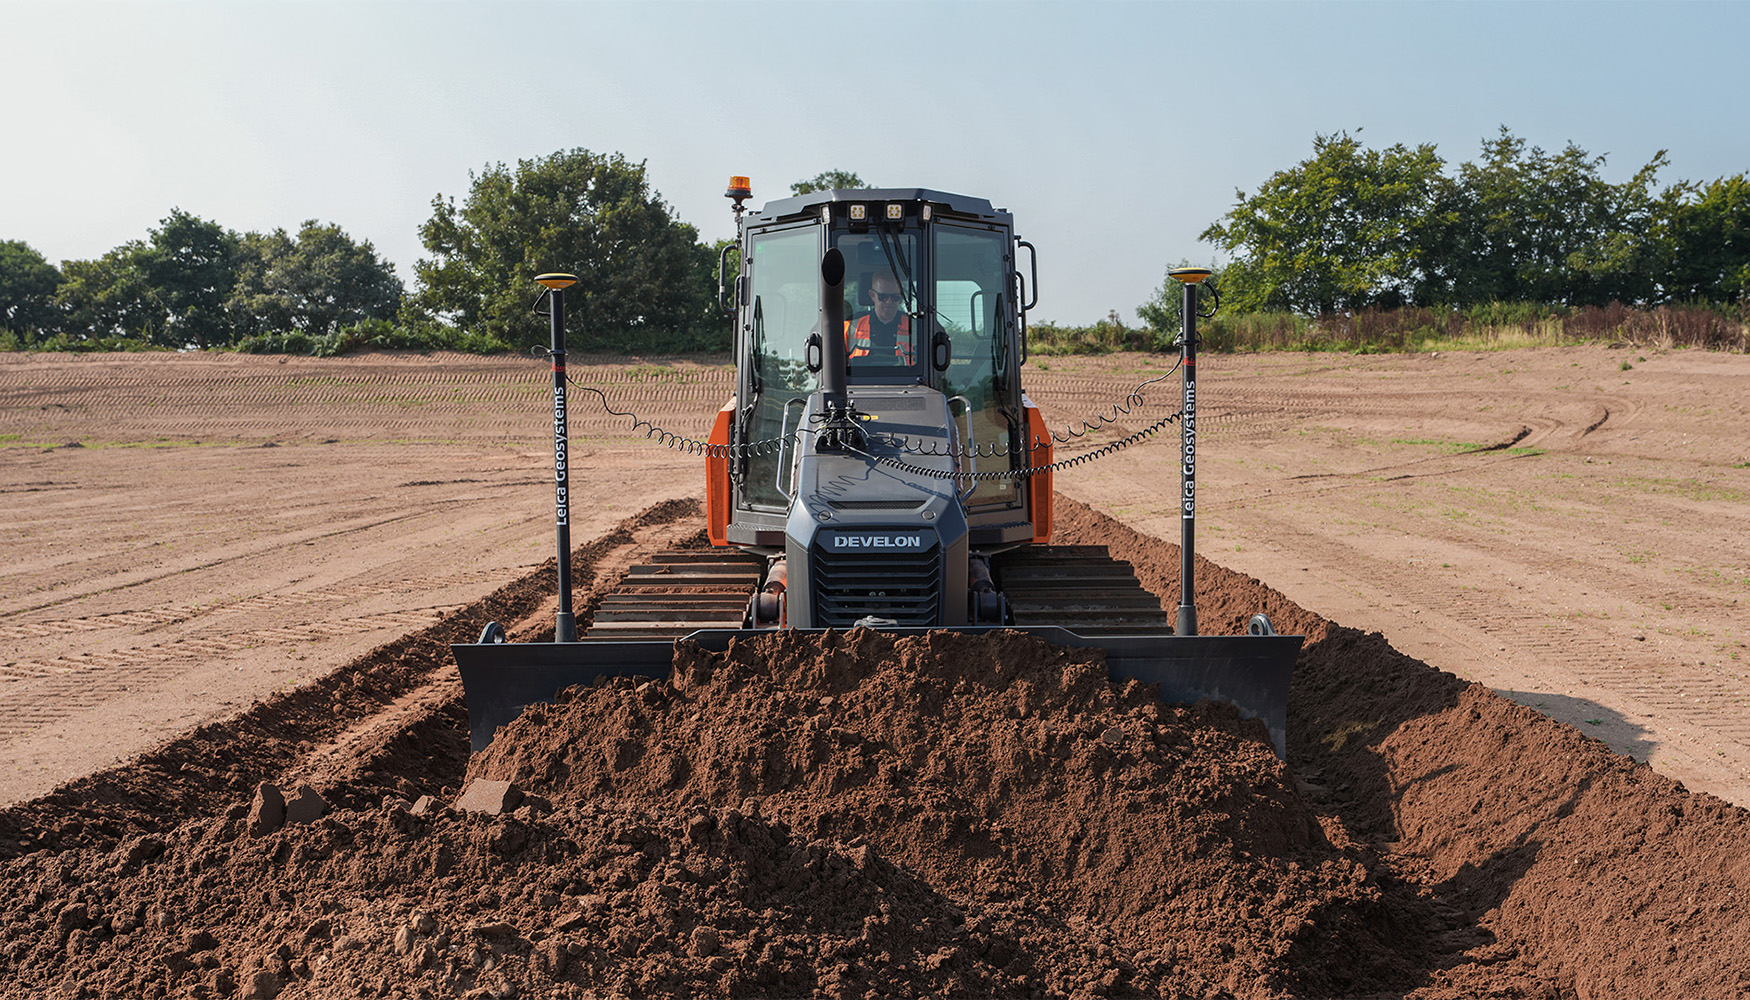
pixel 880 466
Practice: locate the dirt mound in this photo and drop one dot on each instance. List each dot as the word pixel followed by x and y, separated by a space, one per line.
pixel 390 903
pixel 1572 866
pixel 1003 771
pixel 968 816
pixel 1559 868
pixel 853 815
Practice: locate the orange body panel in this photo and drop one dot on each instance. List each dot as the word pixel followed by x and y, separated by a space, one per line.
pixel 717 497
pixel 1038 486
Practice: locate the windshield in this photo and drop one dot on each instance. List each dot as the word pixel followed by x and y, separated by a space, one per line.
pixel 881 302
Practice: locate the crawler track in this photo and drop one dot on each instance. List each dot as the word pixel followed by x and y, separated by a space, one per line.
pixel 678 592
pixel 1080 587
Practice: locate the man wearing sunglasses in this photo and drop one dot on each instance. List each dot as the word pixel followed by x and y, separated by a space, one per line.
pixel 885 332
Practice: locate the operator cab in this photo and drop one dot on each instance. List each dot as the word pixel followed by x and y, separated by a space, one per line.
pixel 930 305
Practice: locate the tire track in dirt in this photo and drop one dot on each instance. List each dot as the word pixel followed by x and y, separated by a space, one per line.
pixel 480 399
pixel 284 543
pixel 148 619
pixel 1712 707
pixel 59 688
pixel 309 729
pixel 1570 614
pixel 1271 407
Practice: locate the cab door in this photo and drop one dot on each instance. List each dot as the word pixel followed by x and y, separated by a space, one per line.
pixel 972 264
pixel 781 312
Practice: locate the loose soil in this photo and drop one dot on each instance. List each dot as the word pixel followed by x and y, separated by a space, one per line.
pixel 852 816
pixel 858 816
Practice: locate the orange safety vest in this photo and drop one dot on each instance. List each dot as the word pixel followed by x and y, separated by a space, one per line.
pixel 858 341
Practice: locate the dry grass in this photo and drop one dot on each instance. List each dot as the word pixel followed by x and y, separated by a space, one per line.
pixel 1494 327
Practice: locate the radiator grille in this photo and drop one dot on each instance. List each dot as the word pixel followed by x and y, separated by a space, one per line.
pixel 904 587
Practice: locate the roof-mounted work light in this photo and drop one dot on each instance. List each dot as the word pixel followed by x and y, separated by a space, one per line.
pixel 740 190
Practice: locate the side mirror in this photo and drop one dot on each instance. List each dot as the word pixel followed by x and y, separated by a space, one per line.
pixel 727 291
pixel 813 355
pixel 941 351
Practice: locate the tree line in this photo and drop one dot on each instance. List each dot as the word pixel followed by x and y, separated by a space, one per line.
pixel 1348 229
pixel 1352 228
pixel 193 283
pixel 646 282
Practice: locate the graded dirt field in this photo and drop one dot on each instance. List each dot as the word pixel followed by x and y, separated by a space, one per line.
pixel 221 571
pixel 184 534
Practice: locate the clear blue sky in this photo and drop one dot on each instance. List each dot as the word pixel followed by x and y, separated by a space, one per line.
pixel 1114 131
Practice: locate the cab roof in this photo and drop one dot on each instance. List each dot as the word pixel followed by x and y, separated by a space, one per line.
pixel 955 204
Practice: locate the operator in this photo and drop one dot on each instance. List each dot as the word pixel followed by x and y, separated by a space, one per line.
pixel 885 330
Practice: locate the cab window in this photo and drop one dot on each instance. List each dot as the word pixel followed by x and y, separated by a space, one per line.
pixel 785 308
pixel 972 272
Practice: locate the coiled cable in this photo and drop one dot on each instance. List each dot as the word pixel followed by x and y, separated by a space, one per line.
pixel 1030 471
pixel 929 449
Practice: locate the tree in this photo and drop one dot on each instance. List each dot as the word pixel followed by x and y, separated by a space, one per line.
pixel 1340 230
pixel 168 290
pixel 110 297
pixel 644 282
pixel 1351 228
pixel 827 180
pixel 191 268
pixel 1536 227
pixel 1710 241
pixel 27 291
pixel 313 284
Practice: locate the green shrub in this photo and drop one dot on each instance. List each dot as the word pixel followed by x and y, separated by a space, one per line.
pixel 379 334
pixel 83 345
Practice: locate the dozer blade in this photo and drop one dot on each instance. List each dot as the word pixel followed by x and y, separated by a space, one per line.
pixel 1251 672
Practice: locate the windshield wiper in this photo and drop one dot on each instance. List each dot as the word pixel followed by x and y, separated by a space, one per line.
pixel 756 367
pixel 898 268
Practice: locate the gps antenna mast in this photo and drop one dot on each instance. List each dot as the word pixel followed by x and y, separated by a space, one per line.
pixel 1190 278
pixel 565 625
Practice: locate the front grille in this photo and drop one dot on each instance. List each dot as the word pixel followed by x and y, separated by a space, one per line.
pixel 904 587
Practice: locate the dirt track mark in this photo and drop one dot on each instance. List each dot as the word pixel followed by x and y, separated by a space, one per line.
pixel 1557 567
pixel 1526 627
pixel 298 729
pixel 453 397
pixel 149 619
pixel 56 689
pixel 282 543
pixel 1524 432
